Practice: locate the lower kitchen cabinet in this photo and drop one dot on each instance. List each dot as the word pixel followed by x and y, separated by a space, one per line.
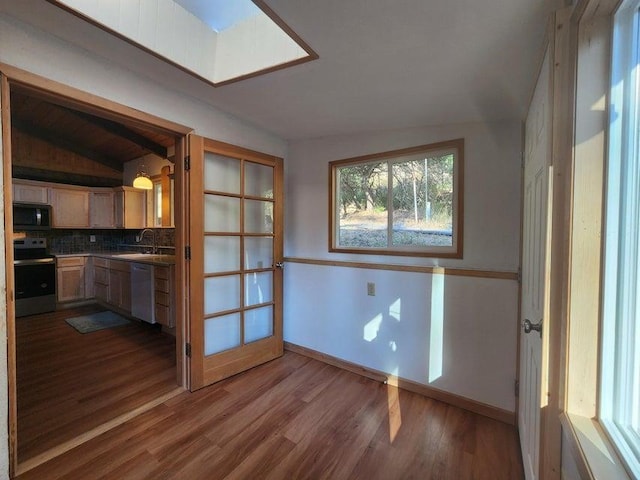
pixel 101 279
pixel 163 294
pixel 112 283
pixel 120 285
pixel 71 279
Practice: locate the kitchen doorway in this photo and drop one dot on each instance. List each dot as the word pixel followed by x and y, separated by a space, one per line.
pixel 15 80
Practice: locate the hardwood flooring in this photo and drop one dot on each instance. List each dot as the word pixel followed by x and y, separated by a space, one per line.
pixel 295 418
pixel 69 382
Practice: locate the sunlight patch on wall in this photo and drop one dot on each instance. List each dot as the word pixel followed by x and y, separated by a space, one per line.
pixel 371 328
pixel 395 308
pixel 436 334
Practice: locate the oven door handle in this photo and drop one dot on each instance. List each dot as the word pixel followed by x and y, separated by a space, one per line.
pixel 34 261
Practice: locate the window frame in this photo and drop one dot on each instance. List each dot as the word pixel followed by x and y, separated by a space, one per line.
pixel 616 387
pixel 453 251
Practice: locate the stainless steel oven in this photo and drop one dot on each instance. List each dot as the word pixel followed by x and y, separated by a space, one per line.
pixel 35 277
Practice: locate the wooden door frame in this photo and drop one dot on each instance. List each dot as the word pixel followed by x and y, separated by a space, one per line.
pixel 560 41
pixel 77 99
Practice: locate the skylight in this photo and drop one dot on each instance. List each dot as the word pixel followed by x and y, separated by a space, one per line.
pixel 220 14
pixel 219 41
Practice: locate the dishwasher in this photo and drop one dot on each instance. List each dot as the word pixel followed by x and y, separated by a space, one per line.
pixel 142 301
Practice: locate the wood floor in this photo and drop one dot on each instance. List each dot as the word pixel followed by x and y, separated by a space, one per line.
pixel 69 382
pixel 296 418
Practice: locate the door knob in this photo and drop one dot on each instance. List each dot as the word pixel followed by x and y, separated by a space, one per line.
pixel 528 326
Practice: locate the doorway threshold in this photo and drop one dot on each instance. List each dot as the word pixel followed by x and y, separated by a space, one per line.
pixel 94 432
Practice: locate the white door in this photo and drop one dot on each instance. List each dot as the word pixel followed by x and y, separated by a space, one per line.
pixel 534 270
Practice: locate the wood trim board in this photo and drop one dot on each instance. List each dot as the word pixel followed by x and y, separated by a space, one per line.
pixel 76 99
pixel 460 272
pixel 459 401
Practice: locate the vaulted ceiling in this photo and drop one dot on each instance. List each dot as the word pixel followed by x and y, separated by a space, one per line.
pixel 383 64
pixel 55 142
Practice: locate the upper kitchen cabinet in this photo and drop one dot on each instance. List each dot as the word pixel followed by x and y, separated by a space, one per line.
pixel 70 207
pixel 130 207
pixel 102 208
pixel 25 191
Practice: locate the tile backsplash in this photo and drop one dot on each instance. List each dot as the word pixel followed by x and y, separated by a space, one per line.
pixel 64 241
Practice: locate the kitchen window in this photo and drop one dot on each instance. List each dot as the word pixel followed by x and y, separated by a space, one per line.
pixel 402 202
pixel 620 371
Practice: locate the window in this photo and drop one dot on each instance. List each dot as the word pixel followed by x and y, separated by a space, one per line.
pixel 161 203
pixel 403 202
pixel 620 374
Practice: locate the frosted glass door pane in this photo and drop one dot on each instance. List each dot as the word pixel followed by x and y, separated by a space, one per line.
pixel 258 252
pixel 221 174
pixel 258 288
pixel 221 333
pixel 258 216
pixel 221 294
pixel 258 180
pixel 221 254
pixel 221 214
pixel 258 324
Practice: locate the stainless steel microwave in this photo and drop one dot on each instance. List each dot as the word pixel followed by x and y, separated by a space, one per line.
pixel 31 216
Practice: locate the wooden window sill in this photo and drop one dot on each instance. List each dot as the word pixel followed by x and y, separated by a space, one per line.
pixel 591 449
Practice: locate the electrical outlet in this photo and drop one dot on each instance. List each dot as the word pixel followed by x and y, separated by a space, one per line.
pixel 92 238
pixel 371 289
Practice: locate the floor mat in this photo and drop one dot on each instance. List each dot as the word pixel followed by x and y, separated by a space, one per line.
pixel 96 321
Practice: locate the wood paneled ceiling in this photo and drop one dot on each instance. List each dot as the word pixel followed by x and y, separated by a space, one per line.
pixel 90 139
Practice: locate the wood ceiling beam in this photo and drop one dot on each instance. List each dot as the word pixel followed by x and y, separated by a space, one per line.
pixel 122 131
pixel 42 175
pixel 66 144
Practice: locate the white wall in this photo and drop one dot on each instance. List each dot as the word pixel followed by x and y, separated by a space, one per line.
pixel 327 308
pixel 33 50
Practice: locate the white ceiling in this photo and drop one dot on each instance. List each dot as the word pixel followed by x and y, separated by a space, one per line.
pixel 383 64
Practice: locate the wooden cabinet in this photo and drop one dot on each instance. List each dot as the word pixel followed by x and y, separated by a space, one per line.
pixel 83 207
pixel 30 192
pixel 70 207
pixel 130 207
pixel 101 279
pixel 120 286
pixel 163 294
pixel 71 279
pixel 112 283
pixel 102 208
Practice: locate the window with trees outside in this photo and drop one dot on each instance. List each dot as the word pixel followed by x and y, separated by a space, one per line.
pixel 619 408
pixel 402 202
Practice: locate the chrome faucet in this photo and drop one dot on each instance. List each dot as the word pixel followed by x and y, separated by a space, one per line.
pixel 154 246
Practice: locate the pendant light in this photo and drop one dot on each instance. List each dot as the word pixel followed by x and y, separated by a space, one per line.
pixel 142 180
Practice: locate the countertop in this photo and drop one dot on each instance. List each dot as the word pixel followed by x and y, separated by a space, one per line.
pixel 127 257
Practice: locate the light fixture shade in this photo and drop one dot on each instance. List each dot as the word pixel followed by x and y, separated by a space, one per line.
pixel 143 182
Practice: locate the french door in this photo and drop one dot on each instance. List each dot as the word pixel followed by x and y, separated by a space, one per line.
pixel 236 249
